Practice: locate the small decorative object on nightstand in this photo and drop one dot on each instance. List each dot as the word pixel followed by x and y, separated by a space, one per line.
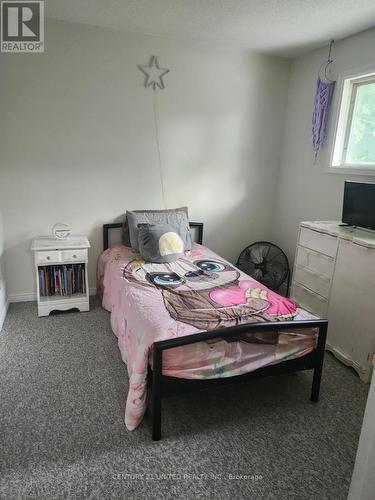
pixel 61 231
pixel 61 273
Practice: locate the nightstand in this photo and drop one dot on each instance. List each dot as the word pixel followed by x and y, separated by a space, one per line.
pixel 61 273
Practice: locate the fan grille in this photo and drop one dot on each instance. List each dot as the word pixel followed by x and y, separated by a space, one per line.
pixel 266 263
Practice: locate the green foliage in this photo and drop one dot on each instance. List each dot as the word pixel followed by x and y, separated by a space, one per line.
pixel 361 145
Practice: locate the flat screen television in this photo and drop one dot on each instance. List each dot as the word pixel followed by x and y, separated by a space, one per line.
pixel 359 205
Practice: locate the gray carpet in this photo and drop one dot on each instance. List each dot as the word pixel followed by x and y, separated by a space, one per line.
pixel 63 387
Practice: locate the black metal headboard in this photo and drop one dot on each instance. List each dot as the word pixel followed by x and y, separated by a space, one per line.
pixel 118 225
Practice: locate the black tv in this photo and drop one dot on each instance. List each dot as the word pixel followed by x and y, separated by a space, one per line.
pixel 359 205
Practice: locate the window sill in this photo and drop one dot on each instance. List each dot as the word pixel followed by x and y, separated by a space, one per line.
pixel 366 171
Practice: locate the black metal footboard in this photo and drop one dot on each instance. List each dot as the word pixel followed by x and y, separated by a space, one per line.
pixel 161 386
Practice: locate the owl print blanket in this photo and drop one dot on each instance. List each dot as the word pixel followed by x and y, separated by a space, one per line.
pixel 200 291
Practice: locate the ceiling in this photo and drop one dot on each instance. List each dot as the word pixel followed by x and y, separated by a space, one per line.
pixel 281 27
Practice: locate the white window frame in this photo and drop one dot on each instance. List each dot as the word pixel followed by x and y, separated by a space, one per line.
pixel 348 85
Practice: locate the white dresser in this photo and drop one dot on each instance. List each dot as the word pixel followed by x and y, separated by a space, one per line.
pixel 61 273
pixel 334 278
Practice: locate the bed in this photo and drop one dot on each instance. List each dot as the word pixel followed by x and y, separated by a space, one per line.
pixel 198 323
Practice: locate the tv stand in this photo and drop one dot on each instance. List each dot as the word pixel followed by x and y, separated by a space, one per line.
pixel 334 278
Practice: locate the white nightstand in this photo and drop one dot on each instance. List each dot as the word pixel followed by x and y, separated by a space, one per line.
pixel 61 273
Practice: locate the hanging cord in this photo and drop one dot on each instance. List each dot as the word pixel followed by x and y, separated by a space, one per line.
pixel 330 50
pixel 158 148
pixel 327 64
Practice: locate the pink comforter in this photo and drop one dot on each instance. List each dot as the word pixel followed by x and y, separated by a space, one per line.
pixel 151 302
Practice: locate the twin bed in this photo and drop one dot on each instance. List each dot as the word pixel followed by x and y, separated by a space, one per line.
pixel 197 323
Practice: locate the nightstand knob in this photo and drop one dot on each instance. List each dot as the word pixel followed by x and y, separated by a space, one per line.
pixel 48 257
pixel 74 256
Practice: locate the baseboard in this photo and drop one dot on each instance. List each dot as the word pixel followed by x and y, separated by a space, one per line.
pixel 31 296
pixel 3 314
pixel 22 297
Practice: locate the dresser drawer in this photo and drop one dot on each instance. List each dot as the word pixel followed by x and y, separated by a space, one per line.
pixel 309 300
pixel 323 243
pixel 315 261
pixel 312 280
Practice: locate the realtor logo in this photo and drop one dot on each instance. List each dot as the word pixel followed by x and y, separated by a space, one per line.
pixel 22 26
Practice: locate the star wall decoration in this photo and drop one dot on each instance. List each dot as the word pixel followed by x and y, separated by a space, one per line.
pixel 154 73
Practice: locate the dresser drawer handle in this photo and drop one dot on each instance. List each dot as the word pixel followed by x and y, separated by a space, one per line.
pixel 74 256
pixel 48 257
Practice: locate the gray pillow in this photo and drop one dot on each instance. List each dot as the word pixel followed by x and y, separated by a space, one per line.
pixel 159 243
pixel 176 218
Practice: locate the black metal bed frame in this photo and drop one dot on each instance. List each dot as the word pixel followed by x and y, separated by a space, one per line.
pixel 161 386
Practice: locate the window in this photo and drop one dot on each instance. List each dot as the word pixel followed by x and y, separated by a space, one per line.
pixel 355 136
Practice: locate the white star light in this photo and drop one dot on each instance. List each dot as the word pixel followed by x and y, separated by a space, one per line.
pixel 154 73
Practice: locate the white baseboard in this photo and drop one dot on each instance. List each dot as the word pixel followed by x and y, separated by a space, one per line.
pixel 3 314
pixel 31 296
pixel 22 297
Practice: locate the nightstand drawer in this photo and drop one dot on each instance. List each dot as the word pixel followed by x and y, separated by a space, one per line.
pixel 74 255
pixel 50 257
pixel 58 256
pixel 323 243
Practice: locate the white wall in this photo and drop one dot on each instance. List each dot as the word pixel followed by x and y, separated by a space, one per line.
pixel 304 190
pixel 3 296
pixel 363 481
pixel 78 141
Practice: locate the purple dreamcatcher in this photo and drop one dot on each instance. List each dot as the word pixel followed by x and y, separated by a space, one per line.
pixel 322 104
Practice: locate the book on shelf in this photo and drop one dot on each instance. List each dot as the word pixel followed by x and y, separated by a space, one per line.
pixel 62 280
